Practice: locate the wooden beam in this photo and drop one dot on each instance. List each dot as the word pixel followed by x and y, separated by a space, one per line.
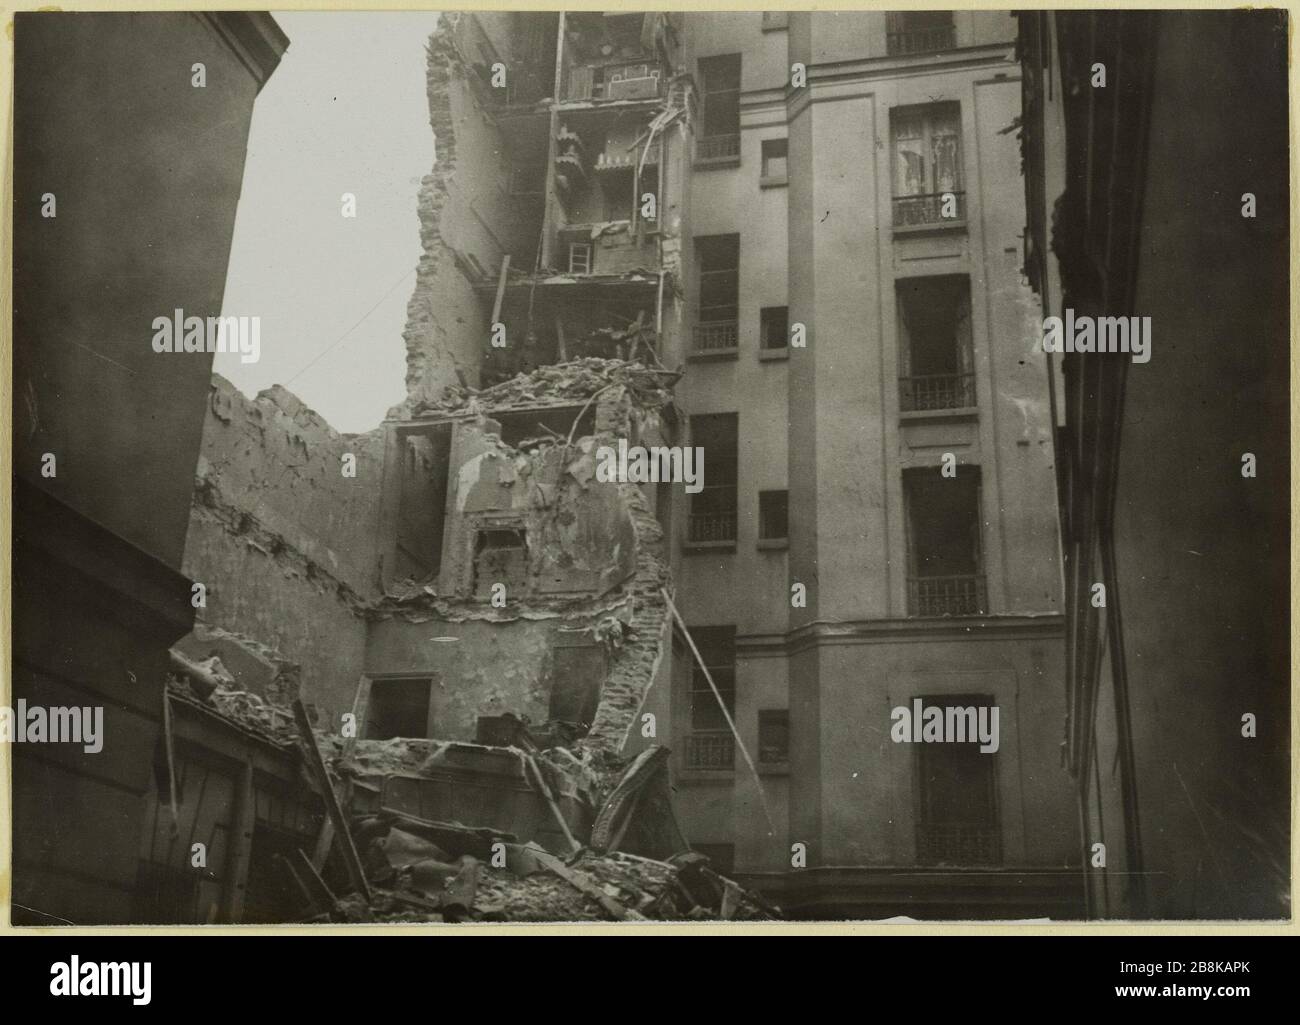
pixel 659 316
pixel 559 339
pixel 316 766
pixel 241 855
pixel 307 895
pixel 360 704
pixel 544 251
pixel 321 893
pixel 501 289
pixel 581 883
pixel 529 763
pixel 699 660
pixel 324 842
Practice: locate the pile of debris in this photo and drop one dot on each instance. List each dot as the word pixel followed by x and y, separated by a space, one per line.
pixel 416 880
pixel 420 870
pixel 535 852
pixel 552 835
pixel 577 380
pixel 209 685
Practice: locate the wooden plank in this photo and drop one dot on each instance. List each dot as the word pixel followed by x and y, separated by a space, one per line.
pixel 320 891
pixel 316 766
pixel 699 660
pixel 324 842
pixel 360 705
pixel 242 850
pixel 501 289
pixel 545 791
pixel 578 882
pixel 307 896
pixel 545 253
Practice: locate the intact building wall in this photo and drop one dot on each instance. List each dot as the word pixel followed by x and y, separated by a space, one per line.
pixel 826 246
pixel 141 222
pixel 1204 608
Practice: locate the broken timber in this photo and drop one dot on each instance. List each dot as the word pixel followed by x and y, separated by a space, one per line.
pixel 699 660
pixel 545 790
pixel 579 882
pixel 316 765
pixel 501 289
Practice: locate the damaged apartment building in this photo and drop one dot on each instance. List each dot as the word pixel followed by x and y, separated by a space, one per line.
pixel 479 629
pixel 442 671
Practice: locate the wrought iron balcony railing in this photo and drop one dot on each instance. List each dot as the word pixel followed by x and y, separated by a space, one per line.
pixel 706 527
pixel 711 335
pixel 958 595
pixel 717 148
pixel 927 208
pixel 926 40
pixel 711 749
pixel 936 391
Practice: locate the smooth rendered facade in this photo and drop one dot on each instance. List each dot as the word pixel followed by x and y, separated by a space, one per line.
pixel 879 205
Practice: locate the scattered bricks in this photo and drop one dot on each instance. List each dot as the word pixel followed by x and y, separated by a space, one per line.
pixel 639 656
pixel 561 384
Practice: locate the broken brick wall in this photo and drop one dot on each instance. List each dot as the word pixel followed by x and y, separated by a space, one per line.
pixel 589 577
pixel 468 219
pixel 283 542
pixel 577 539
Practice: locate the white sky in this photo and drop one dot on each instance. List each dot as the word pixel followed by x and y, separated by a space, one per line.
pixel 346 111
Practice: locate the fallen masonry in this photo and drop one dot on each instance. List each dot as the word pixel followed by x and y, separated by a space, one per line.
pixel 460 832
pixel 441 717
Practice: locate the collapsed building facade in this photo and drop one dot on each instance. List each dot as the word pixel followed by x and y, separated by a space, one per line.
pixel 444 670
pixel 479 626
pixel 628 216
pixel 479 690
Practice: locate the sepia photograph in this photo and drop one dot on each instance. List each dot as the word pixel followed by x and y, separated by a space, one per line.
pixel 719 468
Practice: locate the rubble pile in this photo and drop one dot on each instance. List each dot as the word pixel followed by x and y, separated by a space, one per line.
pixel 209 685
pixel 423 870
pixel 644 889
pixel 424 883
pixel 408 868
pixel 532 822
pixel 575 381
pixel 378 758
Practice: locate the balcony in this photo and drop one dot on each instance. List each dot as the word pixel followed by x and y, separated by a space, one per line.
pixel 959 595
pixel 925 40
pixel 717 150
pixel 925 210
pixel 641 79
pixel 958 845
pixel 618 249
pixel 936 391
pixel 711 528
pixel 711 750
pixel 714 337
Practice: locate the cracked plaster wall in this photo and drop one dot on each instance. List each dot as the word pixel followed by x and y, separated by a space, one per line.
pixel 600 542
pixel 282 541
